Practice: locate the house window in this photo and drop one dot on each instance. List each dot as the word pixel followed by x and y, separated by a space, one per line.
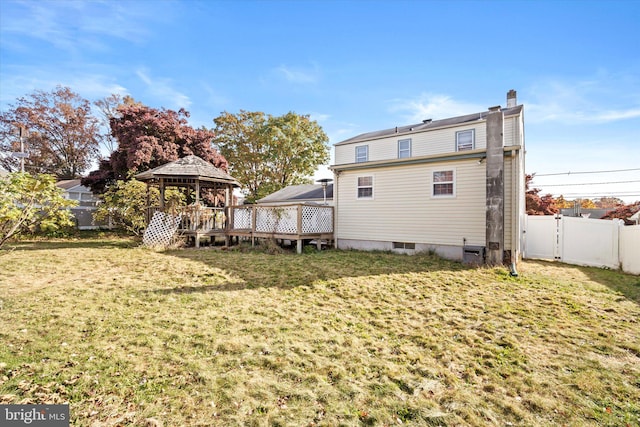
pixel 362 153
pixel 404 148
pixel 444 184
pixel 466 140
pixel 365 187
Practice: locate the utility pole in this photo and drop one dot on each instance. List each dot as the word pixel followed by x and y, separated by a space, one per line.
pixel 22 133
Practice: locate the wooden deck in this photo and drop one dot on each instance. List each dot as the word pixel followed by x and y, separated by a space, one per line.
pixel 294 222
pixel 297 222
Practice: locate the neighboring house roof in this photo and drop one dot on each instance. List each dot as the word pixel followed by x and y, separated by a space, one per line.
pixel 595 213
pixel 298 193
pixel 68 184
pixel 192 167
pixel 74 190
pixel 427 125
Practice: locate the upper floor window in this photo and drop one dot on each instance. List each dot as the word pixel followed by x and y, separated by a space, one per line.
pixel 465 140
pixel 444 183
pixel 362 153
pixel 404 148
pixel 365 187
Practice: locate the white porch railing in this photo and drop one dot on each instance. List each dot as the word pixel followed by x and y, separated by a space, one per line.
pixel 297 219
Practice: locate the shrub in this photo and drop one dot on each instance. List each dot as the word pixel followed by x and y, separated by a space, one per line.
pixel 32 204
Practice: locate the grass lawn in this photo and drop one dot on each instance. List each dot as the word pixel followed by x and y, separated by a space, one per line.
pixel 130 336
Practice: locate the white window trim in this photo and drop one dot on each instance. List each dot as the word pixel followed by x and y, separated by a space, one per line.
pixel 410 147
pixel 366 149
pixel 358 187
pixel 473 139
pixel 443 196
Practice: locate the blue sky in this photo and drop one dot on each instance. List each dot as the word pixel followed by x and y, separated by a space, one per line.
pixel 357 66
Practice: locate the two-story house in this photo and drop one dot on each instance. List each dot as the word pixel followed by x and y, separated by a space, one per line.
pixel 454 186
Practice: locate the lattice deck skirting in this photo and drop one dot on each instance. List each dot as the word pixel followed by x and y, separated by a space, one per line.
pixel 297 222
pixel 161 229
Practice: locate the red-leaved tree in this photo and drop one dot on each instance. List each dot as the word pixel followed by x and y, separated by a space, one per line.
pixel 147 138
pixel 60 135
pixel 536 204
pixel 623 212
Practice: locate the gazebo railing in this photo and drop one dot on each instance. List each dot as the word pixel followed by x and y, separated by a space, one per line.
pixel 197 218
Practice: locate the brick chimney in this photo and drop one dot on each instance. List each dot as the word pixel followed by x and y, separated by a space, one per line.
pixel 512 98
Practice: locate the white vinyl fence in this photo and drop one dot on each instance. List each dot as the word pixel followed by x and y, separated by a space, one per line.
pixel 630 249
pixel 583 241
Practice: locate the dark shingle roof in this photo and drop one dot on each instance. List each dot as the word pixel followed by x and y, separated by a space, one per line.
pixel 189 167
pixel 298 192
pixel 427 125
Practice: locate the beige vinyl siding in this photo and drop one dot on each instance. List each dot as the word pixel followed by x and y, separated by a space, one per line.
pixel 438 141
pixel 508 161
pixel 403 210
pixel 431 142
pixel 512 131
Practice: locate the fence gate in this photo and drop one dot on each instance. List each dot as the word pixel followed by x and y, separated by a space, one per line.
pixel 580 241
pixel 543 237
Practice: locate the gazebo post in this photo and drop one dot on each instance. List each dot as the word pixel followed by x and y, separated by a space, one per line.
pixel 186 173
pixel 227 205
pixel 148 216
pixel 162 194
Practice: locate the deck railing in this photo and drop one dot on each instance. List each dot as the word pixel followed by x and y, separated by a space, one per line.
pixel 297 220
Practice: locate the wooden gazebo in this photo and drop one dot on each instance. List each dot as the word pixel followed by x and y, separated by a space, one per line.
pixel 194 175
pixel 295 222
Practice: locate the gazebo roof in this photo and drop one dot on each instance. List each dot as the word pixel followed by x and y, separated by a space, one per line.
pixel 192 167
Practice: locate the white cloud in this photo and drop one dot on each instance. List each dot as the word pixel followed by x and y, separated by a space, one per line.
pixel 73 25
pixel 319 117
pixel 25 80
pixel 96 86
pixel 432 106
pixel 214 98
pixel 603 99
pixel 299 75
pixel 162 88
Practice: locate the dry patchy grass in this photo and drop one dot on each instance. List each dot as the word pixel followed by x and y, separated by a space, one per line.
pixel 130 336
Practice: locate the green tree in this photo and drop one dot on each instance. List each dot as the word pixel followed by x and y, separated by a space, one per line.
pixel 125 204
pixel 30 203
pixel 267 153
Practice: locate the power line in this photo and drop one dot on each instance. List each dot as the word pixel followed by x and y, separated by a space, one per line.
pixel 595 195
pixel 589 183
pixel 579 173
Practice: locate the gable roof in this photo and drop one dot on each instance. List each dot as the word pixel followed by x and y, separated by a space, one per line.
pixel 427 125
pixel 68 184
pixel 298 193
pixel 189 167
